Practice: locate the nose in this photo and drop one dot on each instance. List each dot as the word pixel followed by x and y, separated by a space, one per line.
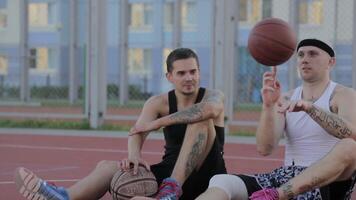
pixel 188 77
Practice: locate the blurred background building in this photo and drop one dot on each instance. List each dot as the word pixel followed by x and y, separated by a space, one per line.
pixel 100 59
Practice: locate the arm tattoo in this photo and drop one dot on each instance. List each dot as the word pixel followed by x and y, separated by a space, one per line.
pixel 193 114
pixel 213 96
pixel 196 112
pixel 287 190
pixel 332 123
pixel 195 154
pixel 315 182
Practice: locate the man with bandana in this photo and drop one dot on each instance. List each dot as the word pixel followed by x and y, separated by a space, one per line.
pixel 318 120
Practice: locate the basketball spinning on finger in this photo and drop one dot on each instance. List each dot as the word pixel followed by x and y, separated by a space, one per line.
pixel 272 42
pixel 125 184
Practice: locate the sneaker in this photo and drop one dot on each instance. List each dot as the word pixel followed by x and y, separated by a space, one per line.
pixel 32 187
pixel 265 194
pixel 169 190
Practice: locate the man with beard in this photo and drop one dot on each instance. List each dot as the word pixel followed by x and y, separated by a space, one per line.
pixel 318 119
pixel 193 121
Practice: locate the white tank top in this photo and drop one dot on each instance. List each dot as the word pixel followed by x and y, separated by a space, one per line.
pixel 306 141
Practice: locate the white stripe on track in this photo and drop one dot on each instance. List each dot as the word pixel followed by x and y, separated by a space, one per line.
pixel 230 157
pixel 52 180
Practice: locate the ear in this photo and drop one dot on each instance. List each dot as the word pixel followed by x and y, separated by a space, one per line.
pixel 332 62
pixel 169 76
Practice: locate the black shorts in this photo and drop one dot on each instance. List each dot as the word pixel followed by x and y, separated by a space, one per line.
pixel 198 181
pixel 337 190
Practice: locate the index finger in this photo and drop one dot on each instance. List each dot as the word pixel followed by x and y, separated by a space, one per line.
pixel 274 71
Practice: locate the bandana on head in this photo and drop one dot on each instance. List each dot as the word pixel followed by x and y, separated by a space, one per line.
pixel 317 43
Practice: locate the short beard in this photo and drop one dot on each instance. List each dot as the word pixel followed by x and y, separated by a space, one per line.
pixel 188 93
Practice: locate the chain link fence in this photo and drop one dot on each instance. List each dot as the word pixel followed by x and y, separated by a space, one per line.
pixel 56 79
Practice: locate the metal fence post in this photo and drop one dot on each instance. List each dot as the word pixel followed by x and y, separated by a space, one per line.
pixel 123 46
pixel 73 82
pixel 97 62
pixel 23 50
pixel 224 51
pixel 177 24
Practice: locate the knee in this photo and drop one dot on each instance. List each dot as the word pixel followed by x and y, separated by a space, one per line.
pixel 232 185
pixel 107 166
pixel 202 124
pixel 347 148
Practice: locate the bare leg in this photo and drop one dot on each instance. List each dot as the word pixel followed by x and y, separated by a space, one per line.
pixel 198 140
pixel 338 165
pixel 96 184
pixel 213 193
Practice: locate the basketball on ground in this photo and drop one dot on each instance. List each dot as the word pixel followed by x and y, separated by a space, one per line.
pixel 125 185
pixel 272 42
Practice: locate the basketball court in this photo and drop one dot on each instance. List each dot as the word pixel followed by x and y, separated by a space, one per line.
pixel 66 156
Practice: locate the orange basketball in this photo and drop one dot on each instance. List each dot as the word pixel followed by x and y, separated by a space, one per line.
pixel 125 185
pixel 272 42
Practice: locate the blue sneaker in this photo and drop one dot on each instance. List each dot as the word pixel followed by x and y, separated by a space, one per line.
pixel 34 188
pixel 169 190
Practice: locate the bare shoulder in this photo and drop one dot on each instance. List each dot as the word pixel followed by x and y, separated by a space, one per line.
pixel 159 103
pixel 214 94
pixel 342 94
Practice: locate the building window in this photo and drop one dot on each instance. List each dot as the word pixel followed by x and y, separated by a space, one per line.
pixel 3 65
pixel 311 12
pixel 141 16
pixel 38 14
pixel 252 11
pixel 40 59
pixel 140 61
pixel 3 13
pixel 42 14
pixel 3 19
pixel 189 14
pixel 168 14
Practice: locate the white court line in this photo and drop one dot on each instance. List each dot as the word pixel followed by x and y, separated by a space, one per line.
pixel 124 151
pixel 53 180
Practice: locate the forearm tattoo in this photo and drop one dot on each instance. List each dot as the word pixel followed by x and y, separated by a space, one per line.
pixel 330 122
pixel 193 114
pixel 287 190
pixel 315 182
pixel 195 154
pixel 196 112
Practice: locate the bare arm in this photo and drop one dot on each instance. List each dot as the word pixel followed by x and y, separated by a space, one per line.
pixel 211 106
pixel 270 129
pixel 342 123
pixel 149 113
pixel 271 124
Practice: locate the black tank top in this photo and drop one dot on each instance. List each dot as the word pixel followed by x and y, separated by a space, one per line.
pixel 174 134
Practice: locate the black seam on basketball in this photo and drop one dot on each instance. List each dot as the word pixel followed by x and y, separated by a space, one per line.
pixel 271 61
pixel 274 40
pixel 115 192
pixel 144 179
pixel 115 182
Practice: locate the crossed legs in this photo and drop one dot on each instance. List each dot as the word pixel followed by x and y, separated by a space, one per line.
pixel 338 165
pixel 198 141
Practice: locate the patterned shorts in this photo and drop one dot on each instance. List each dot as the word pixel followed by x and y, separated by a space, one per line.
pixel 281 175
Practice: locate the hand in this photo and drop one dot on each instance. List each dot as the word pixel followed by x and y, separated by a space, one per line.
pixel 295 106
pixel 271 90
pixel 144 128
pixel 128 163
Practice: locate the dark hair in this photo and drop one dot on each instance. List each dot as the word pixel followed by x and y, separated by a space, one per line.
pixel 178 54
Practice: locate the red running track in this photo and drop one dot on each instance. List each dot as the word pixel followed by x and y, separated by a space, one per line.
pixel 65 159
